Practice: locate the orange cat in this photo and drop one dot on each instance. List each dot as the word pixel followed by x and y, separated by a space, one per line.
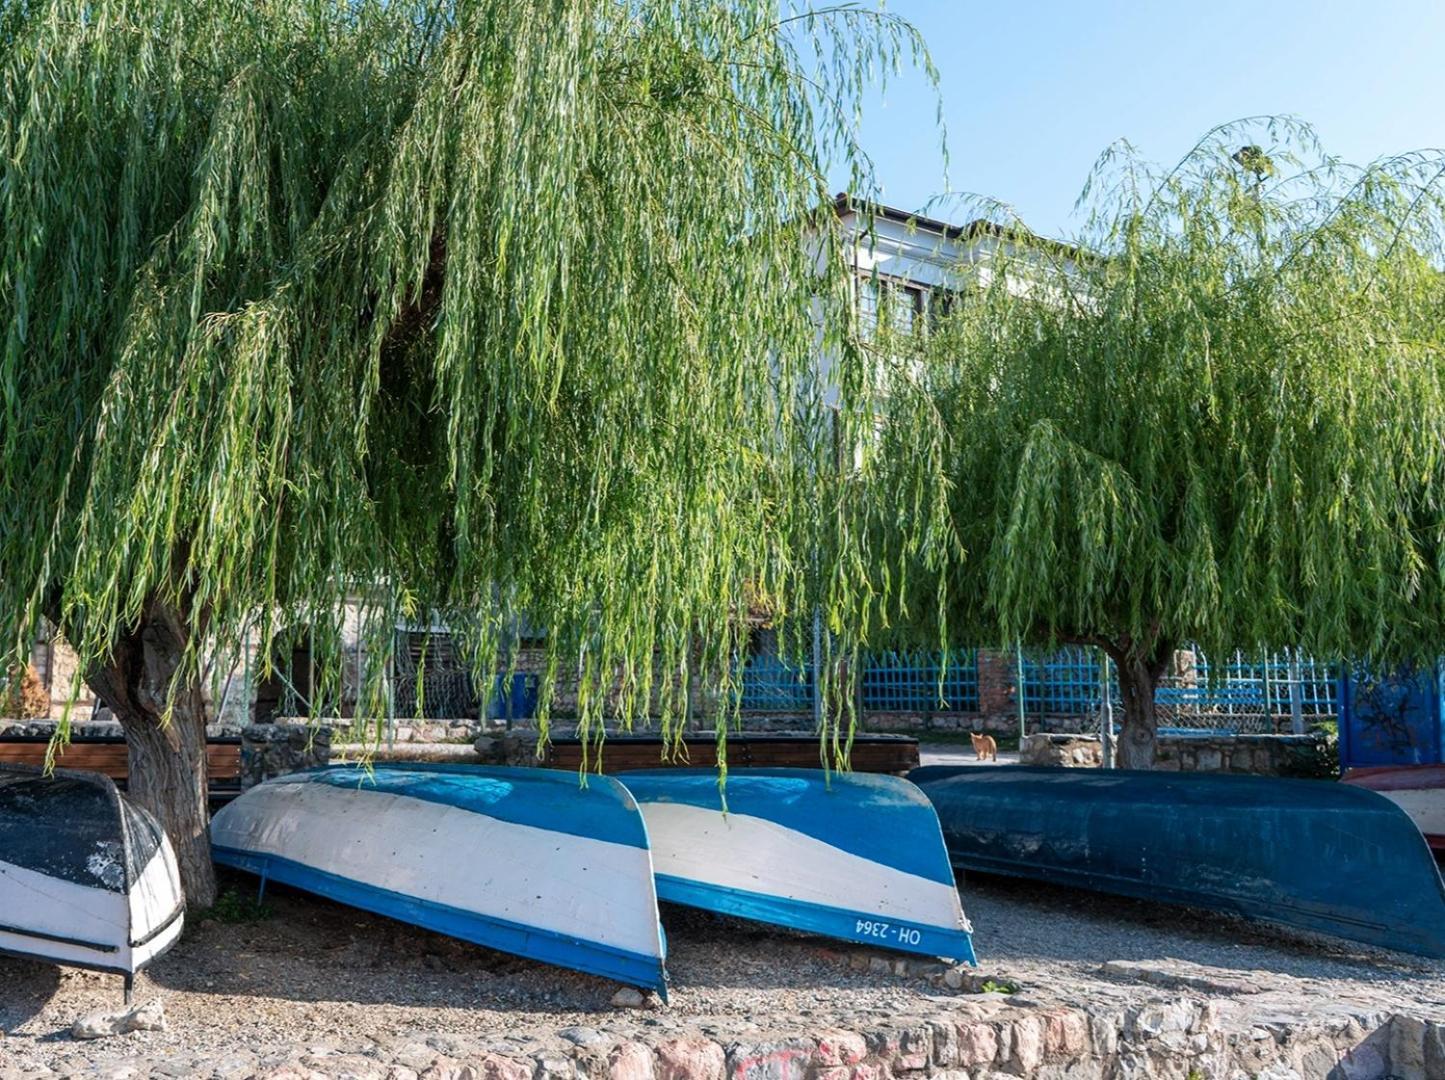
pixel 985 747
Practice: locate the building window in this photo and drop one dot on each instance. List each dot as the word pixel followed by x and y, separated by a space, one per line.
pixel 898 306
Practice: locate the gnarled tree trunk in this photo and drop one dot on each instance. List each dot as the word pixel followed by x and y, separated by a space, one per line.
pixel 165 736
pixel 1138 678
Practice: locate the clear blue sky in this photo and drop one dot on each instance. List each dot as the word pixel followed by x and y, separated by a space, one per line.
pixel 1034 90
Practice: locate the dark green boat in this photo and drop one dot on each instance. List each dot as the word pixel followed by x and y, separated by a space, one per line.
pixel 1307 853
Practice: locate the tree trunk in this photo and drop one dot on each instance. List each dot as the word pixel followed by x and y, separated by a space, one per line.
pixel 166 754
pixel 1138 677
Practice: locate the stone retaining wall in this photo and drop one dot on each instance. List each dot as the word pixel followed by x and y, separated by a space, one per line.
pixel 1177 1039
pixel 1256 755
pixel 271 750
pixel 95 729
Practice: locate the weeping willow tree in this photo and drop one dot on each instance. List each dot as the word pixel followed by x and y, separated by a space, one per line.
pixel 1219 419
pixel 477 310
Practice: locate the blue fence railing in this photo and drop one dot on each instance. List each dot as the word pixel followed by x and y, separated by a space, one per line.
pixel 1244 694
pixel 770 684
pixel 1247 694
pixel 934 681
pixel 1065 682
pixel 922 682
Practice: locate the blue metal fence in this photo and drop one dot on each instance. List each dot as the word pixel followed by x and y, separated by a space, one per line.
pixel 1248 694
pixel 1245 694
pixel 769 684
pixel 1063 683
pixel 921 682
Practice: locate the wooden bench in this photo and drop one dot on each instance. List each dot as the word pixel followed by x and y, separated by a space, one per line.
pixel 108 755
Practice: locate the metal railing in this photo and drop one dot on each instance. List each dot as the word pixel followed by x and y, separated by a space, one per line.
pixel 920 682
pixel 1260 693
pixel 770 684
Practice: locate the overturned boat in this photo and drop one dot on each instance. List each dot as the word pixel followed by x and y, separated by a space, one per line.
pixel 521 860
pixel 857 857
pixel 1419 790
pixel 86 878
pixel 1306 853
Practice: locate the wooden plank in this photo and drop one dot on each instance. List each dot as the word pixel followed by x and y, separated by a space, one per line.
pixel 223 760
pixel 877 754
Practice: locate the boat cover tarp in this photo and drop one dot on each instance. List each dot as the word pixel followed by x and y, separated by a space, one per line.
pixel 854 856
pixel 1321 856
pixel 523 860
pixel 86 878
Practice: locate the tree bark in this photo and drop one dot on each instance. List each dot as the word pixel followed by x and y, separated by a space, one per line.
pixel 166 754
pixel 1138 677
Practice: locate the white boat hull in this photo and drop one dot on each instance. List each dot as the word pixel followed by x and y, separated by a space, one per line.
pixel 522 860
pixel 86 879
pixel 857 857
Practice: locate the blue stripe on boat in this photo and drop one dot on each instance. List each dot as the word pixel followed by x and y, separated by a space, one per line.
pixel 633 969
pixel 553 800
pixel 819 919
pixel 844 814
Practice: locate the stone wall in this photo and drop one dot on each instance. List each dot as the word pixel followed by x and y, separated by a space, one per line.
pixel 1061 749
pixel 979 1038
pixel 271 750
pixel 1256 755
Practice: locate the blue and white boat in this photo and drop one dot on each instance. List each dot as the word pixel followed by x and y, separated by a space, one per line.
pixel 851 856
pixel 521 860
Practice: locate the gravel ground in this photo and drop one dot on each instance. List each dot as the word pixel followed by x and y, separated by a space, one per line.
pixel 317 974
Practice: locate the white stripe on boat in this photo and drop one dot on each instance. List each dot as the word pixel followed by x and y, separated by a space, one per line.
pixel 851 856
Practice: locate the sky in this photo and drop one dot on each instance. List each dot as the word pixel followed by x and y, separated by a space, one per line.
pixel 1034 90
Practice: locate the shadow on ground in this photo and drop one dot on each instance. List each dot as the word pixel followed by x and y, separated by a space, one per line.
pixel 29 986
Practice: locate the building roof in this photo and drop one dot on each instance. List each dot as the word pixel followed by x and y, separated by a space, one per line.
pixel 845 203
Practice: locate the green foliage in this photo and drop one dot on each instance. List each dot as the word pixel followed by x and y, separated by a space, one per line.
pixel 1218 419
pixel 471 310
pixel 1318 761
pixel 998 986
pixel 239 907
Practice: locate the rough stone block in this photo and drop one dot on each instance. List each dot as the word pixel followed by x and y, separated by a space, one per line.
pixel 784 1060
pixel 1435 1049
pixel 554 1067
pixel 1104 1033
pixel 627 1061
pixel 944 1037
pixel 839 1048
pixel 1407 1047
pixel 1028 1043
pixel 271 750
pixel 977 1043
pixel 1065 1033
pixel 690 1059
pixel 100 1025
pixel 1150 1021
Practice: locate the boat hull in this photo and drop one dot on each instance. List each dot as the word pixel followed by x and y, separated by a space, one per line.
pixel 522 860
pixel 856 857
pixel 1419 790
pixel 87 879
pixel 1324 857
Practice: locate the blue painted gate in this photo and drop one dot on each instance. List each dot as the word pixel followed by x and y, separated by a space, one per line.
pixel 1391 720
